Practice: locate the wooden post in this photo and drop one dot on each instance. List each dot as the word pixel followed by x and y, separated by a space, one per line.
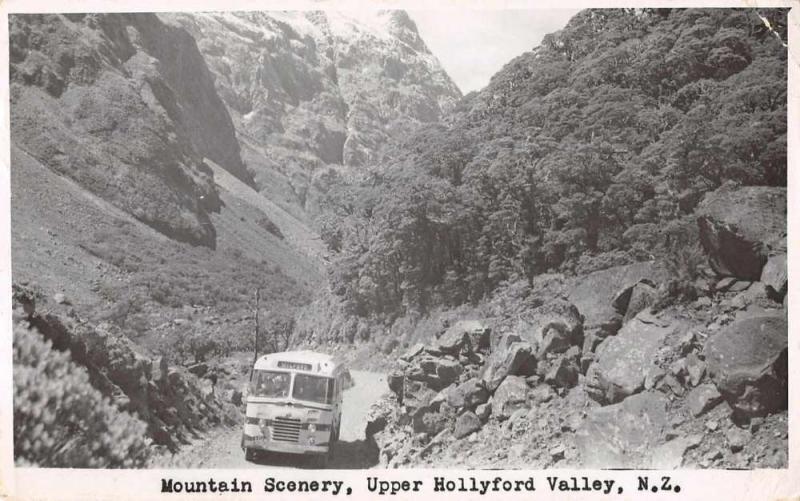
pixel 255 343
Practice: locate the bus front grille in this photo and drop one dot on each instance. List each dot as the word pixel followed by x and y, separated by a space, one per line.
pixel 286 429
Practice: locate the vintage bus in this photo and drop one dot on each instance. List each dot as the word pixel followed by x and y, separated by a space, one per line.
pixel 294 404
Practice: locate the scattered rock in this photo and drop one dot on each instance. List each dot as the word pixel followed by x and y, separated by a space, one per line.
pixel 509 396
pixel 594 293
pixel 695 369
pixel 702 399
pixel 542 394
pixel 564 372
pixel 553 327
pixel 467 423
pixel 557 452
pixel 412 352
pixel 465 332
pixel 448 371
pixel 775 278
pixel 508 361
pixel 622 435
pixel 748 361
pixel 483 411
pixel 737 438
pixel 669 455
pixel 643 296
pixel 60 298
pixel 622 361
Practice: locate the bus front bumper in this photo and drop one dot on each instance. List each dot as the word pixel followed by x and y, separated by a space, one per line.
pixel 265 444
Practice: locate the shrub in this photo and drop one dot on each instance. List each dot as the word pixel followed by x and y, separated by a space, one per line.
pixel 60 420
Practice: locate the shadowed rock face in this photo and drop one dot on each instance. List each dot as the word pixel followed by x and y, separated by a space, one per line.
pixel 313 89
pixel 740 227
pixel 125 106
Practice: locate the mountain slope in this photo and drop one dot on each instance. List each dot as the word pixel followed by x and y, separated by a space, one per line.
pixel 124 105
pixel 308 90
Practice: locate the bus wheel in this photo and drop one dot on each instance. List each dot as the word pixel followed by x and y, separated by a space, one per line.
pixel 249 454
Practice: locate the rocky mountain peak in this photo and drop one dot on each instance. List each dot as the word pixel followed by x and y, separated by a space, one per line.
pixel 314 90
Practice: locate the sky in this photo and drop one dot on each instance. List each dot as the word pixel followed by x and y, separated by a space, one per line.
pixel 473 45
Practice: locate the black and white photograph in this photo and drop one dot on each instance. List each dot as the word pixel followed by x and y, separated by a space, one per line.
pixel 383 238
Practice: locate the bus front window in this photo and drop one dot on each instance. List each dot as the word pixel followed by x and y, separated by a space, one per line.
pixel 271 384
pixel 311 389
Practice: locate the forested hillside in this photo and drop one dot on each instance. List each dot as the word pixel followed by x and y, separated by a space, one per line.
pixel 590 151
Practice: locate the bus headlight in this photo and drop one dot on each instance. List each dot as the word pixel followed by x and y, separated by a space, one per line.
pixel 311 441
pixel 312 427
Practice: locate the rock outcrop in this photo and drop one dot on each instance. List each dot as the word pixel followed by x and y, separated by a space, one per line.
pixel 313 89
pixel 125 106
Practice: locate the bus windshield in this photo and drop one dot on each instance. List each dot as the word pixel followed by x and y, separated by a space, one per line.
pixel 313 388
pixel 271 384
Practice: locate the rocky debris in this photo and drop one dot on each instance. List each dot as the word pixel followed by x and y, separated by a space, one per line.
pixel 643 296
pixel 634 298
pixel 412 352
pixel 60 298
pixel 670 455
pixel 748 362
pixel 552 327
pixel 513 360
pixel 466 423
pixel 594 295
pixel 448 371
pixel 622 361
pixel 564 370
pixel 467 333
pixel 737 438
pixel 511 395
pixel 775 277
pixel 483 411
pixel 739 226
pixel 623 435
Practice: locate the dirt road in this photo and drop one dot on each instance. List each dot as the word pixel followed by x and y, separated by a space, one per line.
pixel 222 450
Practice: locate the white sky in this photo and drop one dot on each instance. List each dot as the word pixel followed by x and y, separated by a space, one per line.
pixel 473 45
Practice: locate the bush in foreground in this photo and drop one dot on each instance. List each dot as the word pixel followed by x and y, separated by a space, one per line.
pixel 60 420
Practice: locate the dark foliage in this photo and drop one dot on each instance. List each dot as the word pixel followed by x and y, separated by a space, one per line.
pixel 590 145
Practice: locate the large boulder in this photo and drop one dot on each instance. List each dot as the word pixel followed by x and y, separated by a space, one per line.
pixel 594 295
pixel 775 277
pixel 511 395
pixel 470 333
pixel 622 361
pixel 506 361
pixel 739 227
pixel 623 435
pixel 748 361
pixel 552 327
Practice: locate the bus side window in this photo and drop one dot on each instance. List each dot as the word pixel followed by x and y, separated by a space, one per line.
pixel 331 386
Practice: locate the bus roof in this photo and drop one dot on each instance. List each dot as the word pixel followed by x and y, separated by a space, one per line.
pixel 301 361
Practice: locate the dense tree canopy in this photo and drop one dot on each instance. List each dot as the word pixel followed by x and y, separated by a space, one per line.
pixel 594 147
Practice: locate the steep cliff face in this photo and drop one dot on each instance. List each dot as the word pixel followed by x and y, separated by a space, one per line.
pixel 308 90
pixel 125 106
